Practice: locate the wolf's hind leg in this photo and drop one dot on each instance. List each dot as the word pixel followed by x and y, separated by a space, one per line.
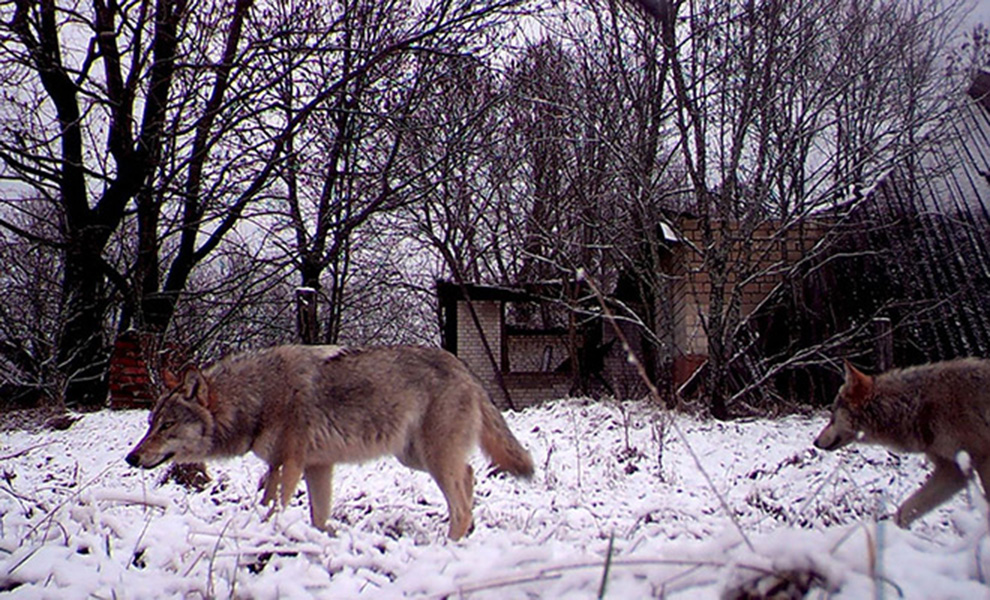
pixel 319 486
pixel 943 483
pixel 456 481
pixel 469 486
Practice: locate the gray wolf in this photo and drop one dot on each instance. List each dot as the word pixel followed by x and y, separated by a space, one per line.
pixel 941 409
pixel 302 409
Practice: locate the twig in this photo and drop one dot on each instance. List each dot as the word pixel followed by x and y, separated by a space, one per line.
pixel 462 591
pixel 213 556
pixel 608 566
pixel 26 450
pixel 546 463
pixel 577 448
pixel 137 543
pixel 135 499
pixel 871 558
pixel 279 550
pixel 848 534
pixel 677 577
pixel 548 573
pixel 51 514
pixel 194 562
pixel 876 568
pixel 655 394
pixel 818 490
pixel 20 499
pixel 24 559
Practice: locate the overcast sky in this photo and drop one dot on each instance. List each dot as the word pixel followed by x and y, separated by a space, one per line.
pixel 981 12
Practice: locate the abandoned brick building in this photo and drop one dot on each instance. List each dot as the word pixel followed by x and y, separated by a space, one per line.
pixel 491 329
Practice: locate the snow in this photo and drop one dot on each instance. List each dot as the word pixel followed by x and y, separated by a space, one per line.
pixel 76 521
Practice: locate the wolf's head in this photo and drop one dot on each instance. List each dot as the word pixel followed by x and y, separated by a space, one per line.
pixel 180 425
pixel 848 406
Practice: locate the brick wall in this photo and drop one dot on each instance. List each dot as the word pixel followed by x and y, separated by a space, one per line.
pixel 131 385
pixel 470 347
pixel 135 363
pixel 763 259
pixel 529 389
pixel 525 388
pixel 535 353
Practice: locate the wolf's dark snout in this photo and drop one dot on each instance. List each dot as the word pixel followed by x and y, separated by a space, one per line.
pixel 822 445
pixel 132 459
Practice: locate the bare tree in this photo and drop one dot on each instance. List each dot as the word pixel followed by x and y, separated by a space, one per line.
pixel 786 108
pixel 54 156
pixel 157 129
pixel 453 148
pixel 638 186
pixel 28 317
pixel 370 69
pixel 129 104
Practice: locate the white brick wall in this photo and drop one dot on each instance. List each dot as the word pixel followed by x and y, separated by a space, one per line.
pixel 470 348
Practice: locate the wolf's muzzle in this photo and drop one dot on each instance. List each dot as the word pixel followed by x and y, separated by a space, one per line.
pixel 831 444
pixel 134 460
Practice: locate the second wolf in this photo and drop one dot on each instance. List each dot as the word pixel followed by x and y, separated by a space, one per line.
pixel 941 409
pixel 303 409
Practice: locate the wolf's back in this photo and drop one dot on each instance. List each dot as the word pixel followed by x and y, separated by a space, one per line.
pixel 498 442
pixel 959 384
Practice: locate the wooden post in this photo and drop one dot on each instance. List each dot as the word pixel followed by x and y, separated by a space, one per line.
pixel 306 324
pixel 883 340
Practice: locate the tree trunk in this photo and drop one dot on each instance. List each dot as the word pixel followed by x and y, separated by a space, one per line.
pixel 82 349
pixel 307 324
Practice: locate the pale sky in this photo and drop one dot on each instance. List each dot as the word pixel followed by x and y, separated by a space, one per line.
pixel 981 13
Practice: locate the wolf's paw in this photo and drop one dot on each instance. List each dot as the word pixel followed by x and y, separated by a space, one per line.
pixel 903 518
pixel 271 512
pixel 327 528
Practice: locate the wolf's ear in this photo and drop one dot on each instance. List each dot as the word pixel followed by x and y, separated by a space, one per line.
pixel 169 379
pixel 194 386
pixel 858 387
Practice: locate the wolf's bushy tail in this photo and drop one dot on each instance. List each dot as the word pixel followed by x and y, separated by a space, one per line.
pixel 500 445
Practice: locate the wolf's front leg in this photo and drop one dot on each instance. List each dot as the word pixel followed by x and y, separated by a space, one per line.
pixel 270 483
pixel 983 468
pixel 943 483
pixel 291 474
pixel 319 486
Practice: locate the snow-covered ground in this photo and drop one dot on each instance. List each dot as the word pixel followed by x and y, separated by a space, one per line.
pixel 77 522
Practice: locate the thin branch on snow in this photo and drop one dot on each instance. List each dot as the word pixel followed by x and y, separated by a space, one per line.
pixel 655 395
